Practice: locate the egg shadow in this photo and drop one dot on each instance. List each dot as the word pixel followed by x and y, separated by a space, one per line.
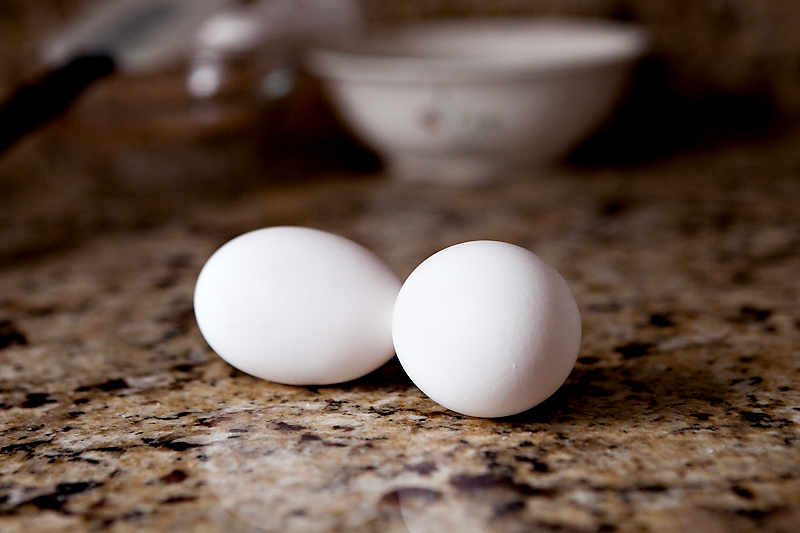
pixel 632 391
pixel 606 391
pixel 617 388
pixel 388 377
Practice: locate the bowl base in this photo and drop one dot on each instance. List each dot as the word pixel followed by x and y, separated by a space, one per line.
pixel 451 169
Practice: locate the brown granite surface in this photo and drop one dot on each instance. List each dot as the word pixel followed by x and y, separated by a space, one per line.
pixel 681 415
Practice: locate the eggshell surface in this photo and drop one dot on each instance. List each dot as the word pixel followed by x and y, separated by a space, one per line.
pixel 486 328
pixel 297 306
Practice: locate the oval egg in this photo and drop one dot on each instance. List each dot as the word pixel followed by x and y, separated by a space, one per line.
pixel 297 306
pixel 486 328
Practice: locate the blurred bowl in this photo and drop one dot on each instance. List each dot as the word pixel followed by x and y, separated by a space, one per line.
pixel 472 100
pixel 197 124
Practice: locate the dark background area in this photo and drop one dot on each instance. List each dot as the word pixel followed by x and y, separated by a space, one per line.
pixel 718 70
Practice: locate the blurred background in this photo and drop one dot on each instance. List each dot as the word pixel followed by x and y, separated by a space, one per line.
pixel 718 71
pixel 717 68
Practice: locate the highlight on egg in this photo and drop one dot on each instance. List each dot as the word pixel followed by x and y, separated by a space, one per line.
pixel 486 328
pixel 297 305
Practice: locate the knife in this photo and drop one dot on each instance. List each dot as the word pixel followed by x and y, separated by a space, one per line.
pixel 118 36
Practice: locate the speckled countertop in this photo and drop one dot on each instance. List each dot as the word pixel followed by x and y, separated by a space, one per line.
pixel 681 415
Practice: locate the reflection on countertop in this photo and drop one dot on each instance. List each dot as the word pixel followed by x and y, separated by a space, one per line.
pixel 681 414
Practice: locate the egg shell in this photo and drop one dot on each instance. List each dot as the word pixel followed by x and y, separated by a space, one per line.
pixel 297 306
pixel 486 328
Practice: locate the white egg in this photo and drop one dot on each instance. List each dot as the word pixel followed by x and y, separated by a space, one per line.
pixel 297 305
pixel 486 328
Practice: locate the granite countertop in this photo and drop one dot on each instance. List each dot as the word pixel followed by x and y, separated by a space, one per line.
pixel 681 414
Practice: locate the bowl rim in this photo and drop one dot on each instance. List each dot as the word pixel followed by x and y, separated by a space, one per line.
pixel 360 59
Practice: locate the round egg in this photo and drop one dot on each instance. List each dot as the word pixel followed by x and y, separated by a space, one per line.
pixel 486 328
pixel 297 306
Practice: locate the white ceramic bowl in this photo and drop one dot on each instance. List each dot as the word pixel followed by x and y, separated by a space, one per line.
pixel 474 99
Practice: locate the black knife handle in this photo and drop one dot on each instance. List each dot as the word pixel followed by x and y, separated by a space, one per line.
pixel 32 105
